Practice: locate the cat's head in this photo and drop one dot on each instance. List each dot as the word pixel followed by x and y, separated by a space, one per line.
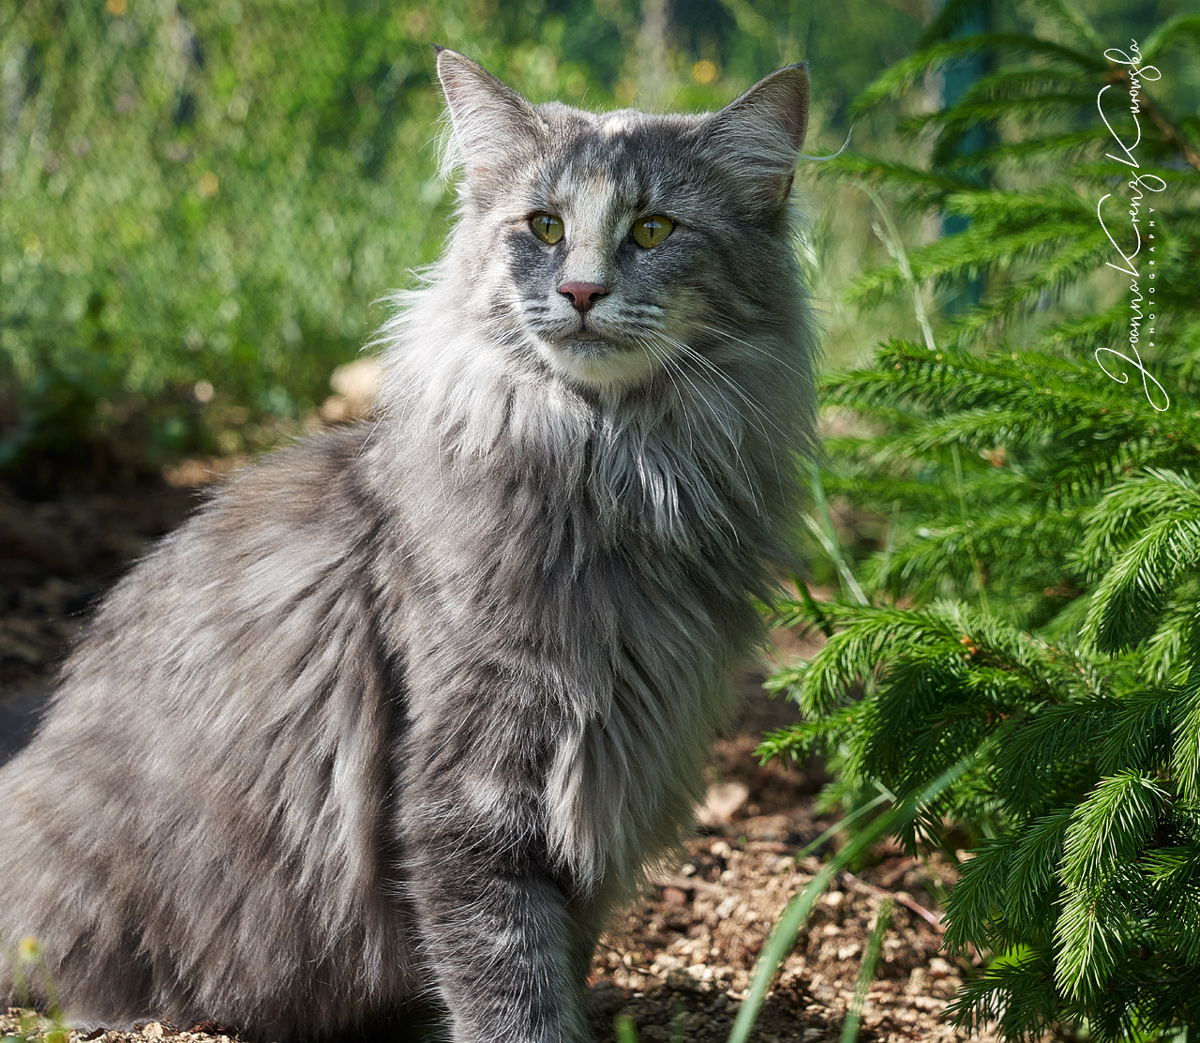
pixel 618 246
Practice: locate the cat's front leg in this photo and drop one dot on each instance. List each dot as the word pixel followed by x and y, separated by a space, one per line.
pixel 497 935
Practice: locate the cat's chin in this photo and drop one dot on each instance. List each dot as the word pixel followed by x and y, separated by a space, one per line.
pixel 592 361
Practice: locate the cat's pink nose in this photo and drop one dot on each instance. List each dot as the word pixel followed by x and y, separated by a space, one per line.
pixel 583 294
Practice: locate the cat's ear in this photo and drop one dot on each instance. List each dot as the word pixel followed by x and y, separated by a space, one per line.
pixel 490 121
pixel 759 135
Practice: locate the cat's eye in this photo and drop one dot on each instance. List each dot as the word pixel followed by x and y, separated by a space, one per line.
pixel 547 227
pixel 650 231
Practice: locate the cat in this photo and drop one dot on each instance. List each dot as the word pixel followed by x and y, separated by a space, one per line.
pixel 407 708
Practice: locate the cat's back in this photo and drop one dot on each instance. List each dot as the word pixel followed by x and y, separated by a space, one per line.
pixel 234 623
pixel 231 695
pixel 267 546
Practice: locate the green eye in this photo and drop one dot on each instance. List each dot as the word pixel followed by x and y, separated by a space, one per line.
pixel 650 231
pixel 547 227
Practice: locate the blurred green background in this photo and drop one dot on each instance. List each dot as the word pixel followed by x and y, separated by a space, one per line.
pixel 202 204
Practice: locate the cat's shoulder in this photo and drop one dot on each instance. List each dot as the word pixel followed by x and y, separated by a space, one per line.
pixel 308 501
pixel 299 477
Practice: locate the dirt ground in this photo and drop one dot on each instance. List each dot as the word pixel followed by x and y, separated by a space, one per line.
pixel 679 963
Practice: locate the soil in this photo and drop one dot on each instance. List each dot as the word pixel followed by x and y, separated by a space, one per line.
pixel 679 963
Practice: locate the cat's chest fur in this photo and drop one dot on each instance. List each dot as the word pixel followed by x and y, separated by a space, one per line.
pixel 574 554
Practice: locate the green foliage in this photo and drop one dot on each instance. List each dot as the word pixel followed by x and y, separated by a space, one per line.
pixel 163 174
pixel 1033 596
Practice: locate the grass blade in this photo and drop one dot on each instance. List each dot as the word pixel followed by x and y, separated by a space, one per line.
pixel 783 935
pixel 866 973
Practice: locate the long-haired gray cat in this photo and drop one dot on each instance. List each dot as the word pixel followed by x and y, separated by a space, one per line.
pixel 409 706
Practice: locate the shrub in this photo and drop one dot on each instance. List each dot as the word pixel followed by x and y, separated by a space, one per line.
pixel 1034 599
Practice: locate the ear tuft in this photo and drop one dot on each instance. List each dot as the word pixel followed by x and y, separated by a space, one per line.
pixel 491 121
pixel 760 134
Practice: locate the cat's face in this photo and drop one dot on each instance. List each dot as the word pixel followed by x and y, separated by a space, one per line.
pixel 618 245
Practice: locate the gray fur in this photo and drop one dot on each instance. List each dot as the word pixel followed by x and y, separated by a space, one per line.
pixel 411 706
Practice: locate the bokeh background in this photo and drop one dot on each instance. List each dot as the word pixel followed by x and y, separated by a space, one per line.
pixel 203 203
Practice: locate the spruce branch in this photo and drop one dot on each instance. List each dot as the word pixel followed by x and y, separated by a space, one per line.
pixel 1002 459
pixel 1172 134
